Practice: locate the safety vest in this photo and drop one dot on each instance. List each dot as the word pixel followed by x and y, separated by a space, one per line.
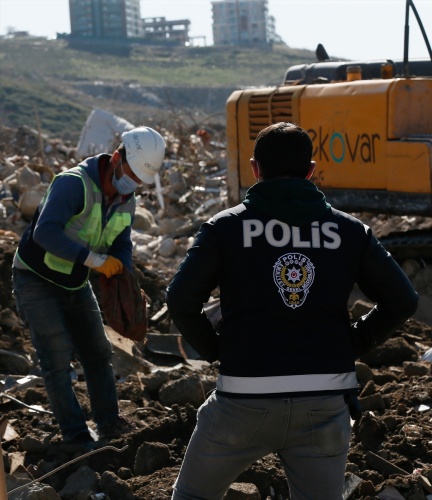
pixel 86 228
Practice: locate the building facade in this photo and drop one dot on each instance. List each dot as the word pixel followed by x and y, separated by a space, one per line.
pixel 114 19
pixel 242 22
pixel 159 29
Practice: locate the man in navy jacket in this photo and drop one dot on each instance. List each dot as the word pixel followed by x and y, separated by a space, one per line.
pixel 285 263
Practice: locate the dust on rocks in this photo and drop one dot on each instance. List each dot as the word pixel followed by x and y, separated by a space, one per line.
pixel 162 382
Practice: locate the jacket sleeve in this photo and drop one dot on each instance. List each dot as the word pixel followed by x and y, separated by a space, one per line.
pixel 384 282
pixel 190 289
pixel 122 248
pixel 65 198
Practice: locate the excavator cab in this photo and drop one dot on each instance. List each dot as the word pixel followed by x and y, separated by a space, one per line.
pixel 372 138
pixel 370 123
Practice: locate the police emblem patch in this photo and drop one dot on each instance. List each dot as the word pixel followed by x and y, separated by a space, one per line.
pixel 293 274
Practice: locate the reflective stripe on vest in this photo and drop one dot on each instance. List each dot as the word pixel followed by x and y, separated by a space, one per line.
pixel 287 383
pixel 86 227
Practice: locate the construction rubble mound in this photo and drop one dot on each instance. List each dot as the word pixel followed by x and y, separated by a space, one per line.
pixel 162 381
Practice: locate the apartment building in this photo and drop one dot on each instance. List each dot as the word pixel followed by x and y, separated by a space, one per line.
pixel 114 19
pixel 242 22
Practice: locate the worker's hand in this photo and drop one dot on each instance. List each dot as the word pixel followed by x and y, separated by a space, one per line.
pixel 110 267
pixel 106 264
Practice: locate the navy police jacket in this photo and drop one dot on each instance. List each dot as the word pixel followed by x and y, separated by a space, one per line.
pixel 285 263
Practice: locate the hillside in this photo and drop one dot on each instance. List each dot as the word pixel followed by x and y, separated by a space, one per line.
pixel 50 86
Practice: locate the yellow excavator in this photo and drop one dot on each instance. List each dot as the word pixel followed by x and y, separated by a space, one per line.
pixel 371 126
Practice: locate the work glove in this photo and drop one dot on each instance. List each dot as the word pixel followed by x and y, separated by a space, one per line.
pixel 110 267
pixel 106 264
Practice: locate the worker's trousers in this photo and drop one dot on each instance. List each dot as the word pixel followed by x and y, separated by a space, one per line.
pixel 64 324
pixel 310 435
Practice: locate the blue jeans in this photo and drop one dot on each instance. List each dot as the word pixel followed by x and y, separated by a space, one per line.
pixel 310 436
pixel 65 323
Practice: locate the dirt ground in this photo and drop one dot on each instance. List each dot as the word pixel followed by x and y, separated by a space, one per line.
pixel 390 455
pixel 391 442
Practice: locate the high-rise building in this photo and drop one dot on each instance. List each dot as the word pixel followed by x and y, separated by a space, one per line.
pixel 241 22
pixel 114 19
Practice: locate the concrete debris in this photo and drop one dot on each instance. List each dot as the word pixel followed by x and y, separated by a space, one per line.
pixel 351 484
pixel 242 491
pixel 114 487
pixel 372 402
pixel 390 493
pixel 162 382
pixel 36 491
pixel 151 457
pixel 125 360
pixel 166 218
pixel 12 362
pixel 10 434
pixel 185 390
pixel 84 478
pixel 412 368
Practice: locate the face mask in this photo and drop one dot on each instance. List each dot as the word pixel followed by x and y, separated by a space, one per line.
pixel 125 185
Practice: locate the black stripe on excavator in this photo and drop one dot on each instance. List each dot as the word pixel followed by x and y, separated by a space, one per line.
pixel 414 244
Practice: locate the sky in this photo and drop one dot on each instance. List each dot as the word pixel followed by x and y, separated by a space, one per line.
pixel 349 29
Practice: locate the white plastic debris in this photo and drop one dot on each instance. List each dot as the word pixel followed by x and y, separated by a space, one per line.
pixel 427 356
pixel 101 133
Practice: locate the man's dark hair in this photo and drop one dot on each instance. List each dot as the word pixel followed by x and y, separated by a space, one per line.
pixel 283 149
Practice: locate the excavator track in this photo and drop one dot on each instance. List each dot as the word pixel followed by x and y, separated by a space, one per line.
pixel 413 244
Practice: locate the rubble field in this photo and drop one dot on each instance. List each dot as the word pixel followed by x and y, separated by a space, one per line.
pixel 162 382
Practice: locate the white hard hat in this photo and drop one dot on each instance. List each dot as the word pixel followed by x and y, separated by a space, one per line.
pixel 145 152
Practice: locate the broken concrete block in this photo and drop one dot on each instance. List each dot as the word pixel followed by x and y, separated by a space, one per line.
pixel 29 200
pixel 182 391
pixel 16 460
pixel 167 248
pixel 242 491
pixel 11 362
pixel 84 478
pixel 124 361
pixel 413 369
pixel 372 402
pixel 151 457
pixel 155 380
pixel 27 178
pixel 363 372
pixel 114 487
pixel 143 219
pixel 35 491
pixel 350 485
pixel 360 308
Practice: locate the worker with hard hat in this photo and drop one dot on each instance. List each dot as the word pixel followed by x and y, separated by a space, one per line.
pixel 82 223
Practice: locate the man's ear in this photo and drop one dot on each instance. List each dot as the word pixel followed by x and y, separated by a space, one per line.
pixel 311 170
pixel 116 156
pixel 255 168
